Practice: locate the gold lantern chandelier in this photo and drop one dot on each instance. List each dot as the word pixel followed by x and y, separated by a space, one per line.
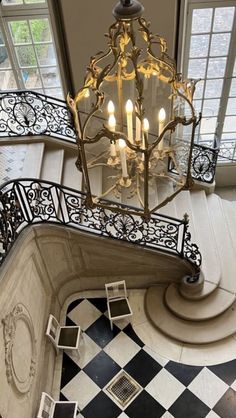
pixel 134 120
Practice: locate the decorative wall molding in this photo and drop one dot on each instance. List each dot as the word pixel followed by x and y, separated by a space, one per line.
pixel 20 348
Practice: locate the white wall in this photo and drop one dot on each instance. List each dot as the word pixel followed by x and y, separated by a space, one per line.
pixel 86 22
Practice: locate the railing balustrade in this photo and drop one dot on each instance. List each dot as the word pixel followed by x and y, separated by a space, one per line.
pixel 30 201
pixel 27 113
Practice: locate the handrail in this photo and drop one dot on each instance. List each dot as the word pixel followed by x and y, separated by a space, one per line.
pixel 27 113
pixel 27 202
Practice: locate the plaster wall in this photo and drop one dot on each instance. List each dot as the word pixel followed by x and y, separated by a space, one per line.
pixel 85 23
pixel 24 281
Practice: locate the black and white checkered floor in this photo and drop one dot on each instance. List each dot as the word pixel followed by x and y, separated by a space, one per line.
pixel 169 389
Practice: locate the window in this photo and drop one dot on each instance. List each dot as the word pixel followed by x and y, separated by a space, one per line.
pixel 28 57
pixel 210 54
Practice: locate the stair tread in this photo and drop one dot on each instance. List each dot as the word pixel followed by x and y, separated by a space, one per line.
pixel 72 177
pixel 52 165
pixel 187 331
pixel 215 304
pixel 204 235
pixel 223 243
pixel 33 160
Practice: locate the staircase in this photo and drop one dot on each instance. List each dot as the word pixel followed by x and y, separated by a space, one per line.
pixel 202 316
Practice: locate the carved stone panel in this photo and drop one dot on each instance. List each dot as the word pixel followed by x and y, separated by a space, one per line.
pixel 20 348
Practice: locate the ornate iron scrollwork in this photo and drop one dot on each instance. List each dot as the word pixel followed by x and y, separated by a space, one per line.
pixel 29 201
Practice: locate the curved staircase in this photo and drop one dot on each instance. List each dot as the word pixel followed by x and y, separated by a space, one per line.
pixel 201 316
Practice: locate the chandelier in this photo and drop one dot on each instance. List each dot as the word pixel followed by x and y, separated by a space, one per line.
pixel 134 119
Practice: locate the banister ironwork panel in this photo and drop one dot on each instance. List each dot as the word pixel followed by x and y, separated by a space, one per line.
pixel 29 201
pixel 27 113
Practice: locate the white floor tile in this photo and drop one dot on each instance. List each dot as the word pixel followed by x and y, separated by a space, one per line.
pixel 122 349
pixel 212 414
pixel 165 388
pixel 84 314
pixel 208 387
pixel 81 389
pixel 167 415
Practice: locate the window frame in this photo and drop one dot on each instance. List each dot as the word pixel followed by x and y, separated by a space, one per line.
pixel 186 13
pixel 31 11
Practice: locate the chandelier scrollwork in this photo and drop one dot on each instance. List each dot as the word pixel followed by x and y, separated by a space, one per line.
pixel 132 116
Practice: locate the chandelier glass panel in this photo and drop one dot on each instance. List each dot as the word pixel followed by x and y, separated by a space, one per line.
pixel 134 119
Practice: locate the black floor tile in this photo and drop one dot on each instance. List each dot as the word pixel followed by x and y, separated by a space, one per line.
pixel 100 331
pixel 145 406
pixel 143 368
pixel 101 407
pixel 69 322
pixel 62 397
pixel 99 303
pixel 73 305
pixel 130 332
pixel 225 371
pixel 101 369
pixel 226 406
pixel 184 373
pixel 189 406
pixel 69 370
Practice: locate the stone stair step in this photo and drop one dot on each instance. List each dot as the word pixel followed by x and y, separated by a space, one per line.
pixel 72 177
pixel 200 310
pixel 33 160
pixel 186 331
pixel 204 235
pixel 223 243
pixel 229 210
pixel 52 165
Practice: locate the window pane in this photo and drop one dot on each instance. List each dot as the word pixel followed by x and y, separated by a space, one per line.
pixel 11 2
pixel 232 92
pixel 46 54
pixel 199 90
pixel 216 67
pixel 213 88
pixel 223 19
pixel 50 77
pixel 4 60
pixel 20 32
pixel 201 20
pixel 211 107
pixel 220 44
pixel 197 68
pixel 34 1
pixel 199 46
pixel 31 78
pixel 231 107
pixel 41 31
pixel 208 125
pixel 7 80
pixel 26 56
pixel 230 124
pixel 54 93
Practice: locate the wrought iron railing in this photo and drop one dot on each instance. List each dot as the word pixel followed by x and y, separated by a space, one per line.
pixel 203 164
pixel 30 201
pixel 27 113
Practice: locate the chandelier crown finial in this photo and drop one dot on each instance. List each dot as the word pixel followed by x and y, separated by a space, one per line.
pixel 128 9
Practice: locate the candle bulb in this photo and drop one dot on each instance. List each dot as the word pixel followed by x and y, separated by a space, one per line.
pixel 122 146
pixel 112 127
pixel 129 112
pixel 161 118
pixel 110 108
